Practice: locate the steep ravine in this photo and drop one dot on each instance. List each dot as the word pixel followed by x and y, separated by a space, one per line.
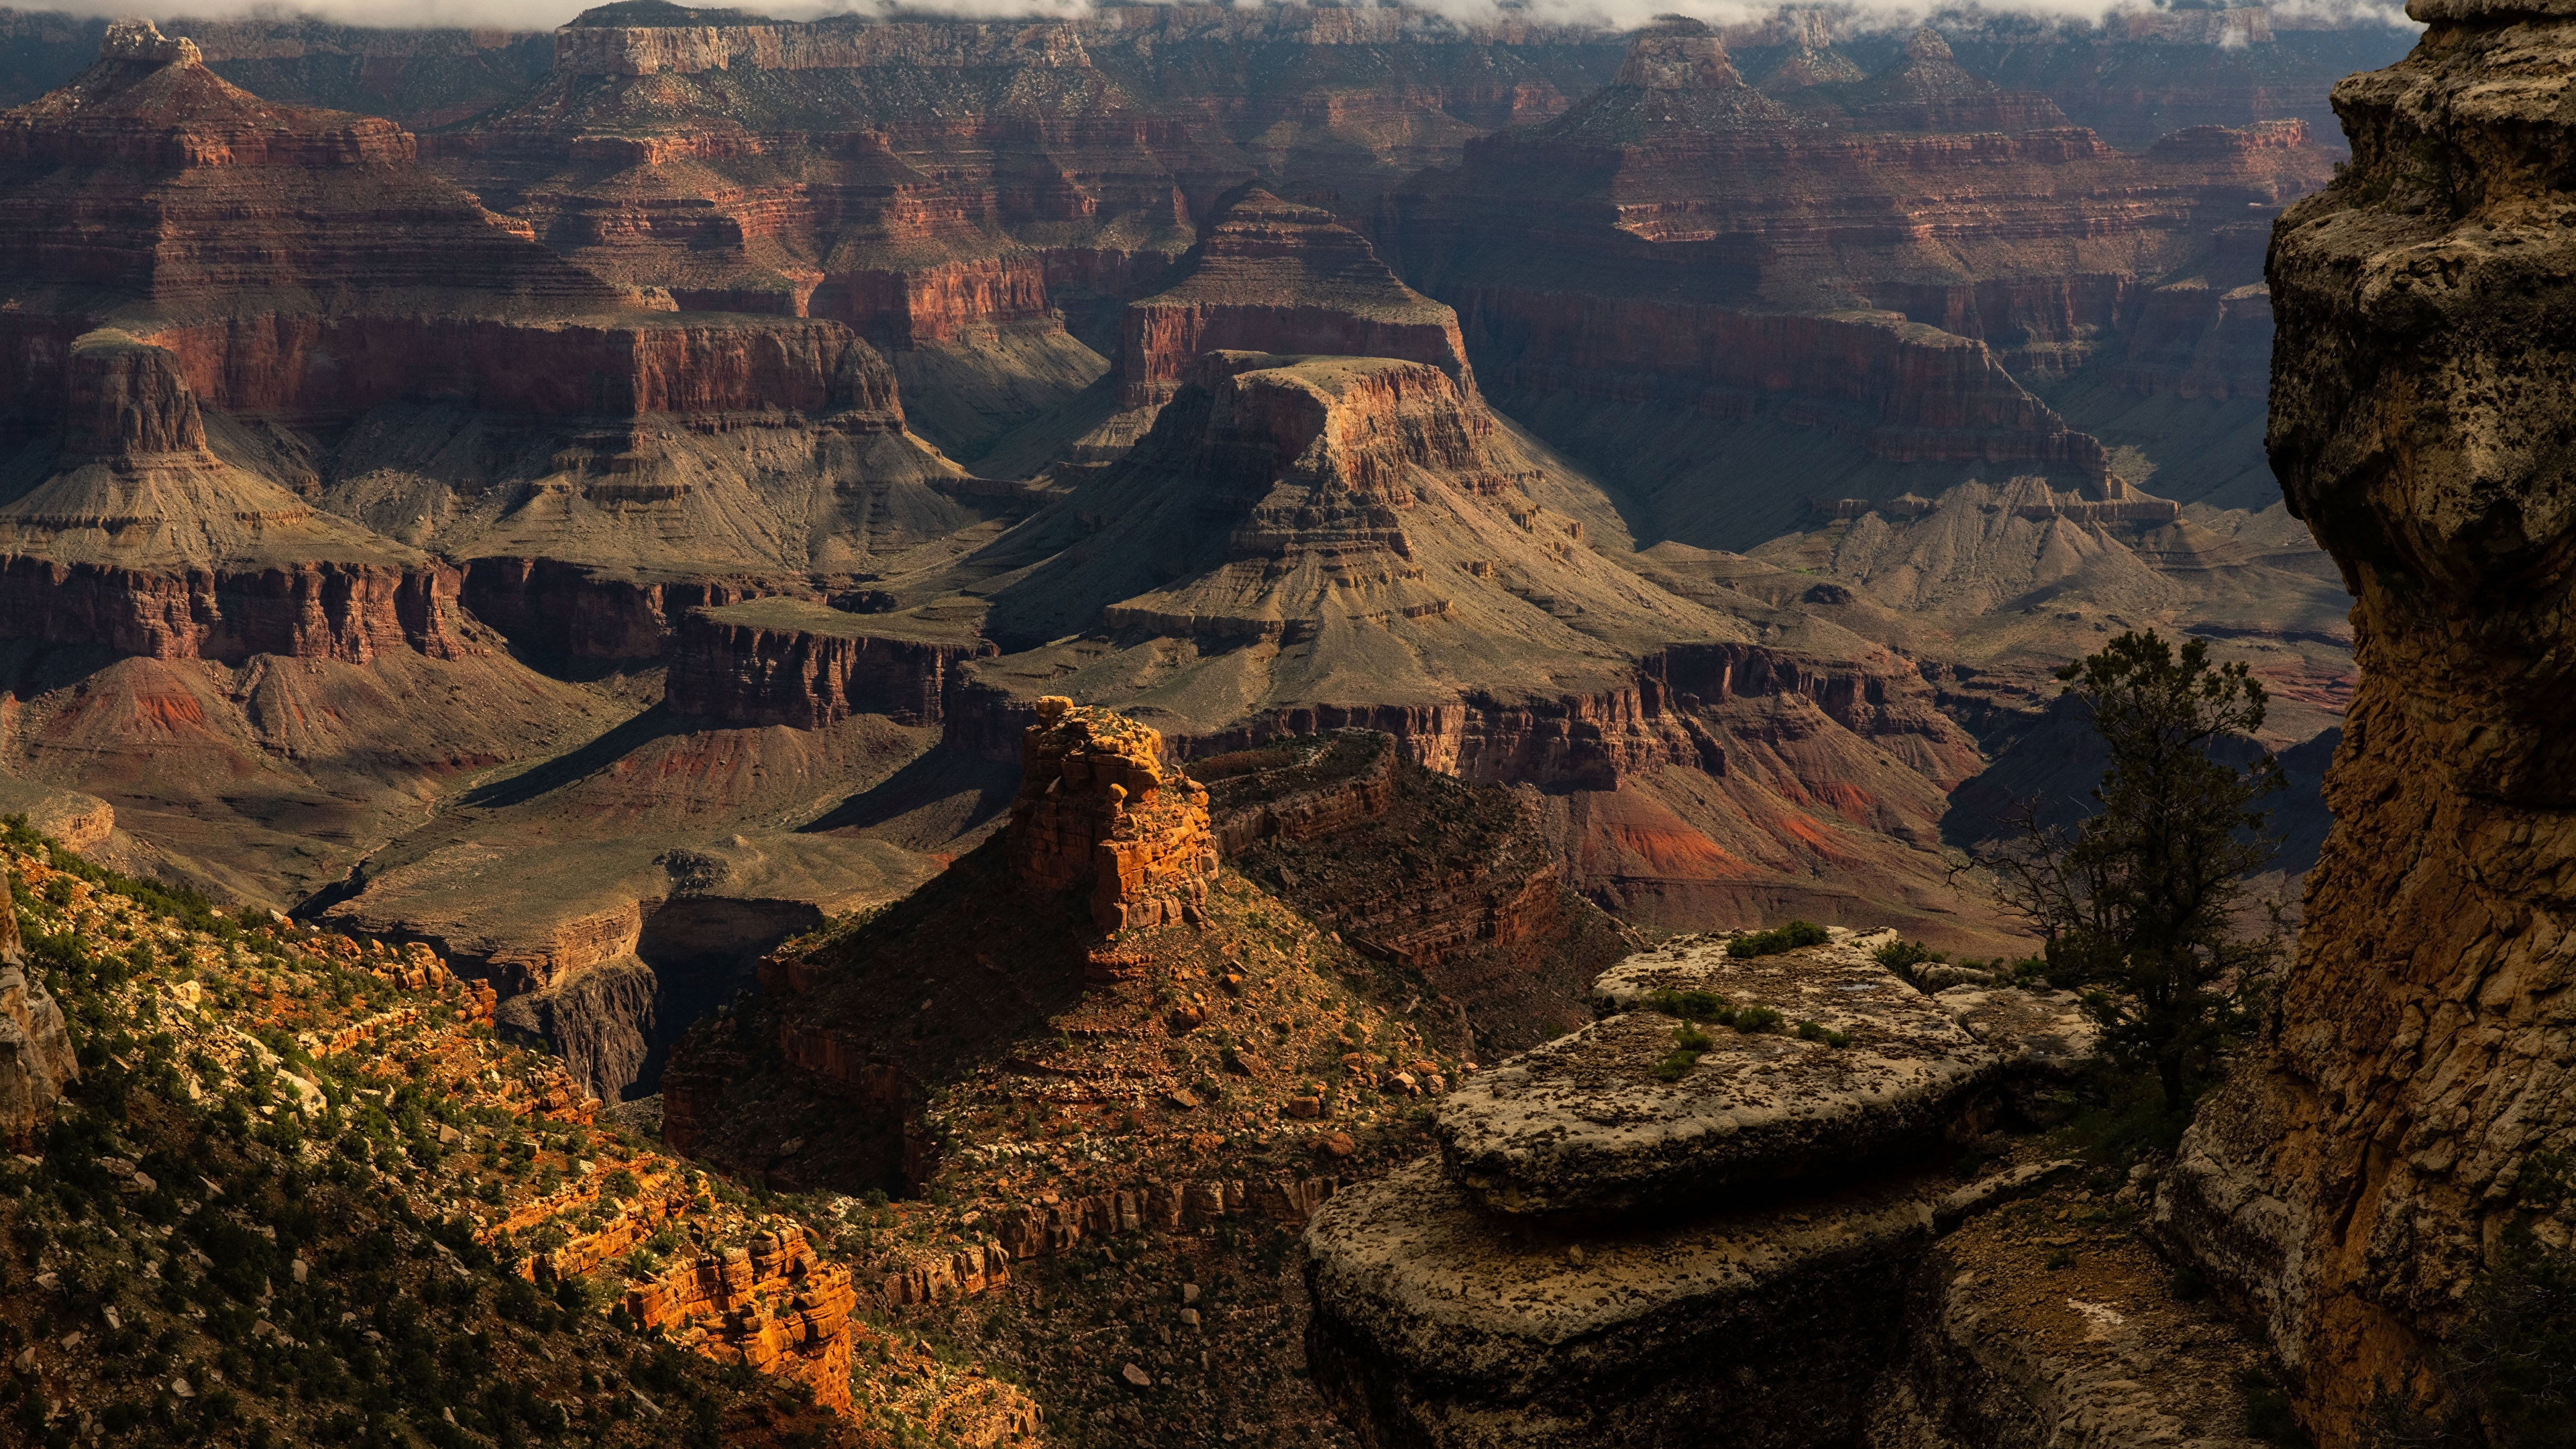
pixel 2352 1181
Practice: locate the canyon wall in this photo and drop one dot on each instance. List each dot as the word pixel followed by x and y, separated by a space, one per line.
pixel 2354 1176
pixel 139 539
pixel 808 667
pixel 1271 276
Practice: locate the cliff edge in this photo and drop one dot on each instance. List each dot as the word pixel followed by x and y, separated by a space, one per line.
pixel 2349 1182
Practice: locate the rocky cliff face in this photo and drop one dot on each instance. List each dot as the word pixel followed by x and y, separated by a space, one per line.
pixel 780 662
pixel 979 200
pixel 1511 1288
pixel 139 539
pixel 486 398
pixel 1271 276
pixel 36 1061
pixel 2349 1181
pixel 1765 237
pixel 1099 811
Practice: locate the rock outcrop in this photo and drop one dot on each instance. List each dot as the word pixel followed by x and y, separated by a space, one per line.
pixel 36 1060
pixel 1588 1124
pixel 1513 1292
pixel 1099 811
pixel 2352 1178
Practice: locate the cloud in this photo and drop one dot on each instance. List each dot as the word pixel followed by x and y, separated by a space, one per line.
pixel 1865 16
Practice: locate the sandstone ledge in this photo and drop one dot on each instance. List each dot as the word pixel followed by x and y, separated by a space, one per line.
pixel 1583 1123
pixel 1431 1326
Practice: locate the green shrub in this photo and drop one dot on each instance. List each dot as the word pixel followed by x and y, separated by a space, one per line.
pixel 1751 1019
pixel 1772 942
pixel 1705 1006
pixel 1904 956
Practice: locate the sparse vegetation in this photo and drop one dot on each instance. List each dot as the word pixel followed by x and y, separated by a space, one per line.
pixel 1780 938
pixel 1903 956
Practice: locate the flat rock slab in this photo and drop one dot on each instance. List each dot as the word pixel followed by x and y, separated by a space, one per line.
pixel 2041 1033
pixel 1583 1124
pixel 1436 1324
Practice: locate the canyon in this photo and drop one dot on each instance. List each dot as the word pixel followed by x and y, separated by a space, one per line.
pixel 1125 661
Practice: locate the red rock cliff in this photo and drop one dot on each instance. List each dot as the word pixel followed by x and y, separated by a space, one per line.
pixel 1098 808
pixel 143 542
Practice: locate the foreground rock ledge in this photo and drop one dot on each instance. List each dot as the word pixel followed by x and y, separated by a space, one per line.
pixel 1583 1124
pixel 1763 1326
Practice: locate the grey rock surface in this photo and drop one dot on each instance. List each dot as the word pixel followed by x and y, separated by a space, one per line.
pixel 1436 1324
pixel 1584 1124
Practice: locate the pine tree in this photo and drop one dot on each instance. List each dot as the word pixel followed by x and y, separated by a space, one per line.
pixel 2140 903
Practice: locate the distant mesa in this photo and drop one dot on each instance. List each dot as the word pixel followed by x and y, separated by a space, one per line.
pixel 1676 53
pixel 1276 276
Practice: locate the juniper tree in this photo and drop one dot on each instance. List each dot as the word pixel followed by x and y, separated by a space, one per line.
pixel 2139 902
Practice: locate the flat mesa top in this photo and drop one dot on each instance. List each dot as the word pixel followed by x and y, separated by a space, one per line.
pixel 1587 1122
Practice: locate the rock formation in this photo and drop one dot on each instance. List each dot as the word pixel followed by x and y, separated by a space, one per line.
pixel 1360 517
pixel 1525 1138
pixel 499 400
pixel 1481 908
pixel 2354 1175
pixel 1271 276
pixel 1808 325
pixel 1511 1291
pixel 779 661
pixel 141 539
pixel 1098 808
pixel 36 1060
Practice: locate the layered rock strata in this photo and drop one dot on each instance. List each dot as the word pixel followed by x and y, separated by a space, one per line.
pixel 2354 1176
pixel 1272 276
pixel 786 662
pixel 1361 520
pixel 134 535
pixel 1433 1327
pixel 1810 323
pixel 1481 908
pixel 486 397
pixel 1098 809
pixel 1511 1292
